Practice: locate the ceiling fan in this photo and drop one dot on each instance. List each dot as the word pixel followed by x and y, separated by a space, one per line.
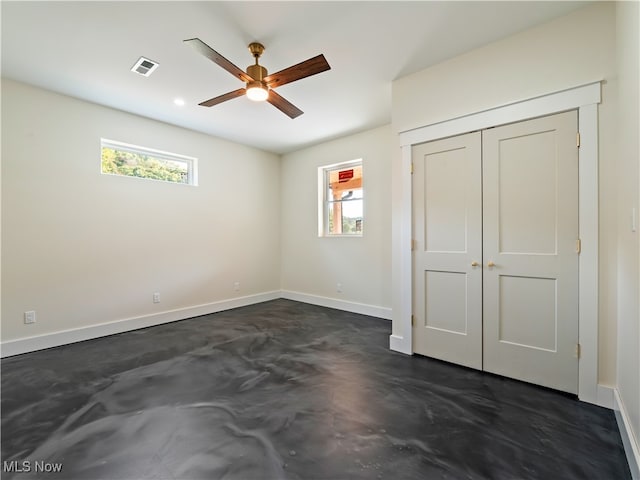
pixel 259 85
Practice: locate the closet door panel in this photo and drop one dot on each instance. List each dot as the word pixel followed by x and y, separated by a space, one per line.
pixel 530 228
pixel 447 241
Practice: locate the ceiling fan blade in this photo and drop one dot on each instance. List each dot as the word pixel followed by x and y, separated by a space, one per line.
pixel 215 57
pixel 283 105
pixel 296 72
pixel 223 98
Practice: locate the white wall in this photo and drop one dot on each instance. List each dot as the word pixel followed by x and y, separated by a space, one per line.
pixel 566 52
pixel 82 248
pixel 313 265
pixel 85 250
pixel 628 263
pixel 573 50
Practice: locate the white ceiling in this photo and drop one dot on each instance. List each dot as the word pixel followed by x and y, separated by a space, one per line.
pixel 86 50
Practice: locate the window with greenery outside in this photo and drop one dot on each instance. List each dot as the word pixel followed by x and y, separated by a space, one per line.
pixel 135 162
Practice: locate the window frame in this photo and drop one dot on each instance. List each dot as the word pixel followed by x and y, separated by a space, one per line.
pixel 324 201
pixel 191 162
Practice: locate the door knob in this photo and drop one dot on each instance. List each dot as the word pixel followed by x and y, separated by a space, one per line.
pixel 490 264
pixel 474 264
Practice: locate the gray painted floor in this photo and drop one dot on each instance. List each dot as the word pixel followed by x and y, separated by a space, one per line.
pixel 286 390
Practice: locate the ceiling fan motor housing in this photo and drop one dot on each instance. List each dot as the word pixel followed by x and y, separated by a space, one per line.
pixel 257 72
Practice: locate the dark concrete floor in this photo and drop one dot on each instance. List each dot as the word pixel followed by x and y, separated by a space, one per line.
pixel 287 390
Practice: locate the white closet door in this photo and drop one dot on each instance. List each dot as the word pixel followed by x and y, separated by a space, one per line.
pixel 447 205
pixel 530 220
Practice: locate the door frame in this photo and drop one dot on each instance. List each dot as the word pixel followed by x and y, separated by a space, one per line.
pixel 585 100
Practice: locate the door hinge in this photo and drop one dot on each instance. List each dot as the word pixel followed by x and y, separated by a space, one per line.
pixel 578 139
pixel 413 244
pixel 413 320
pixel 578 246
pixel 578 350
pixel 411 168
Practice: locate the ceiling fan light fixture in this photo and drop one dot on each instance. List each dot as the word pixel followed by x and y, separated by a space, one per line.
pixel 257 92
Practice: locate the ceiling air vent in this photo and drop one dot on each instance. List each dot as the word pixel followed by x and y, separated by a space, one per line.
pixel 144 66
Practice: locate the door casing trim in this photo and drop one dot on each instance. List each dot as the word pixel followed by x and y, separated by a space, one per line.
pixel 585 100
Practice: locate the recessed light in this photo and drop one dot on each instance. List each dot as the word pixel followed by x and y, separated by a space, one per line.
pixel 179 102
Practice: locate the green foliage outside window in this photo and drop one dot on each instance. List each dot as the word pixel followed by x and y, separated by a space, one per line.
pixel 122 162
pixel 349 224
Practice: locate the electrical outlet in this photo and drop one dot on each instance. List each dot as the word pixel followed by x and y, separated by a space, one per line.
pixel 236 286
pixel 30 317
pixel 339 287
pixel 156 297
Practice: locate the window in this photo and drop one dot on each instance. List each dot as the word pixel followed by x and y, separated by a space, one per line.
pixel 341 210
pixel 134 161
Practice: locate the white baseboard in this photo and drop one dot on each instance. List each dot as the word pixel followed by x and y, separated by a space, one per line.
pixel 604 396
pixel 398 344
pixel 40 342
pixel 630 441
pixel 361 308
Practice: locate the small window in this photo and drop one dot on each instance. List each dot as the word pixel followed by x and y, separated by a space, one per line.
pixel 341 210
pixel 134 161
